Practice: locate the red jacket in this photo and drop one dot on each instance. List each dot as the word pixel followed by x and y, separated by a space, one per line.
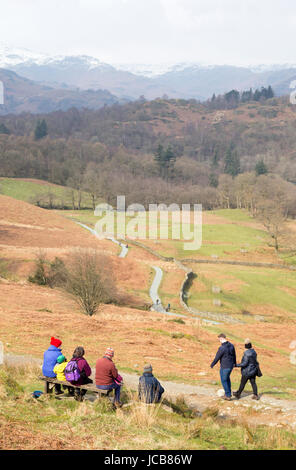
pixel 106 371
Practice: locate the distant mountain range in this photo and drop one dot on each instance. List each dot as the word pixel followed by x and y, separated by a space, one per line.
pixel 60 82
pixel 24 95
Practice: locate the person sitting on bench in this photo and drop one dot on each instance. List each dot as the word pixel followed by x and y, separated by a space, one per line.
pixel 49 361
pixel 59 370
pixel 107 375
pixel 84 371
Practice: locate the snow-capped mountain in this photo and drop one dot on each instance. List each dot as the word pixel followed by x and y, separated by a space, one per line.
pixel 11 56
pixel 129 81
pixel 155 70
pixel 146 70
pixel 14 56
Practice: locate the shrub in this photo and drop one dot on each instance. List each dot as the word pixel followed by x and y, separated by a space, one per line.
pixel 88 279
pixel 8 386
pixel 48 274
pixel 40 276
pixel 178 320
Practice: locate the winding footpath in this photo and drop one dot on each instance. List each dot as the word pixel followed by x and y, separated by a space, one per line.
pixel 124 248
pixel 153 292
pixel 206 317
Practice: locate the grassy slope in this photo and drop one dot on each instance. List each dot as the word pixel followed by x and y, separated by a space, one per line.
pixel 268 292
pixel 27 189
pixel 63 424
pixel 40 310
pixel 234 236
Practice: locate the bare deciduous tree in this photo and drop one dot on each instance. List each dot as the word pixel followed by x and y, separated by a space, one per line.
pixel 273 218
pixel 89 280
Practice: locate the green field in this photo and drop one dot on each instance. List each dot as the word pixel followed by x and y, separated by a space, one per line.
pixel 250 289
pixel 220 240
pixel 42 193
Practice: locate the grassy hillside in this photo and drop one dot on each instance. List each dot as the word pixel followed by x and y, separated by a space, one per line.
pixel 180 350
pixel 64 424
pixel 42 193
pixel 246 292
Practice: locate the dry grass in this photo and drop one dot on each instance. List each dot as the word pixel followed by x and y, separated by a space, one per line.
pixel 46 423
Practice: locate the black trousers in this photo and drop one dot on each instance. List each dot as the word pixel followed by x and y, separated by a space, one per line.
pixel 244 380
pixel 58 388
pixel 78 391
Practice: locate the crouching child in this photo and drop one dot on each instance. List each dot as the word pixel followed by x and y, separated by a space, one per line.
pixel 150 390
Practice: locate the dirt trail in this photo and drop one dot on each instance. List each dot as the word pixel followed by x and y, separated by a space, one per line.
pixel 270 411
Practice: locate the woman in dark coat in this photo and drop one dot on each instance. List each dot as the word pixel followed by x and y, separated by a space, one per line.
pixel 249 369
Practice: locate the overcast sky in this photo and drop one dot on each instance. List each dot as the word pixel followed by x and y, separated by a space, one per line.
pixel 155 31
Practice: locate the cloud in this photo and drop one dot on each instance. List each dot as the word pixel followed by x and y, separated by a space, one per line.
pixel 211 31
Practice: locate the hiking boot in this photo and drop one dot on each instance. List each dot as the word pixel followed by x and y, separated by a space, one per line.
pixel 117 404
pixel 255 397
pixel 236 395
pixel 226 398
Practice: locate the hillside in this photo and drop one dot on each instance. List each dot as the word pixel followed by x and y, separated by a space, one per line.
pixel 180 349
pixel 24 95
pixel 198 134
pixel 44 194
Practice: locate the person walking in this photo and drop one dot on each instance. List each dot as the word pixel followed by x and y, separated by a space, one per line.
pixel 107 377
pixel 249 369
pixel 227 357
pixel 150 390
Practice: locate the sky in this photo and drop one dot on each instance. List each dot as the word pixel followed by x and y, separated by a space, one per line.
pixel 238 32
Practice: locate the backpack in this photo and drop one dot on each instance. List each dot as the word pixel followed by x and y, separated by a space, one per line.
pixel 72 372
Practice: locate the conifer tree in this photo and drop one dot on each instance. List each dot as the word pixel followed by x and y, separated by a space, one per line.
pixel 261 168
pixel 232 162
pixel 41 130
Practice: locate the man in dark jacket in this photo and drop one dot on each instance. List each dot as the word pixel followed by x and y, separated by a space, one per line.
pixel 227 357
pixel 249 369
pixel 150 390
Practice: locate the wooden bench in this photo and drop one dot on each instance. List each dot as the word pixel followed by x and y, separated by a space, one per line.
pixel 50 383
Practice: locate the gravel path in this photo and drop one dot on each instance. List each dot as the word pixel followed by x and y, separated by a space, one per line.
pixel 153 292
pixel 124 248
